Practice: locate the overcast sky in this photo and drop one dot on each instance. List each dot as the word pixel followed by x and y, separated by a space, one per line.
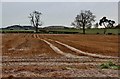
pixel 55 13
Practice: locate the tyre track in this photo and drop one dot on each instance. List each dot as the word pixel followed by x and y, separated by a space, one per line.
pixel 67 60
pixel 63 48
pixel 85 53
pixel 45 47
pixel 81 52
pixel 57 50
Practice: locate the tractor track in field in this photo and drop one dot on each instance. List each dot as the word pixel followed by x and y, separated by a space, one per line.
pixel 57 50
pixel 66 57
pixel 84 53
pixel 71 53
pixel 71 62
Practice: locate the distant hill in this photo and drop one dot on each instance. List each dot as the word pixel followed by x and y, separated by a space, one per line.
pixel 18 27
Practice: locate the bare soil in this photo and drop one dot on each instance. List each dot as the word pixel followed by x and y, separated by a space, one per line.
pixel 100 44
pixel 27 55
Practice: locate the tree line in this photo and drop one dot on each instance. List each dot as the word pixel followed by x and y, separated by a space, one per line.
pixel 83 20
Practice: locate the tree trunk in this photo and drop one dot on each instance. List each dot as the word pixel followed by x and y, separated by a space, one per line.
pixel 104 30
pixel 36 29
pixel 83 29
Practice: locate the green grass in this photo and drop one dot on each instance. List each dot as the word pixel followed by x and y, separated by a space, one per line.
pixel 67 31
pixel 101 31
pixel 109 65
pixel 88 31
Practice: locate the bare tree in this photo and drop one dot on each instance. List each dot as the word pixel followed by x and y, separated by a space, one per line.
pixel 35 19
pixel 84 20
pixel 107 23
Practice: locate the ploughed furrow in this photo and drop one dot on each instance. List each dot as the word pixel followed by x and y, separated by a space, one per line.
pixel 8 41
pixel 59 71
pixel 49 63
pixel 37 61
pixel 44 48
pixel 51 59
pixel 9 46
pixel 24 45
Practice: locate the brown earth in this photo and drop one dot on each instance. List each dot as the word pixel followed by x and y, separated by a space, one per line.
pixel 26 55
pixel 98 44
pixel 25 45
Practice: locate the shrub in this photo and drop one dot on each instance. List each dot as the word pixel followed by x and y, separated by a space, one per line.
pixel 97 33
pixel 109 65
pixel 109 33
